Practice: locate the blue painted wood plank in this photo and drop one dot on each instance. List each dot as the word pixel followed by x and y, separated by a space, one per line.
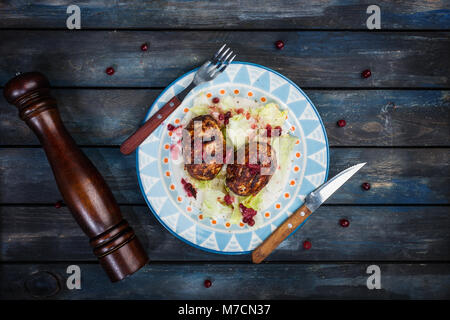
pixel 231 14
pixel 311 59
pixel 230 281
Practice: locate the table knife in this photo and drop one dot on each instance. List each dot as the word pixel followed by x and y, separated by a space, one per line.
pixel 312 201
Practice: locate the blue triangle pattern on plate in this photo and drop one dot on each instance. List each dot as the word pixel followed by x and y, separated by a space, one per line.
pixel 222 78
pixel 242 76
pixel 263 232
pixel 298 107
pixel 282 92
pixel 150 169
pixel 201 234
pixel 314 146
pixel 244 239
pixel 306 187
pixel 183 223
pixel 263 82
pixel 314 167
pixel 308 126
pixel 222 239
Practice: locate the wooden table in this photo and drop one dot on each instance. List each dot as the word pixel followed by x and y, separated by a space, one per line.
pixel 397 121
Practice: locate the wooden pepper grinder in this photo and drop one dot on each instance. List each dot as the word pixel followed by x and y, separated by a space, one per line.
pixel 83 188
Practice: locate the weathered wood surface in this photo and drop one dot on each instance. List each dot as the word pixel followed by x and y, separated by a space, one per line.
pixel 231 14
pixel 374 117
pixel 397 176
pixel 388 233
pixel 311 59
pixel 230 281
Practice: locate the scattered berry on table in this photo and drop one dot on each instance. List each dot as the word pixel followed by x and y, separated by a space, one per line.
pixel 306 245
pixel 144 47
pixel 344 223
pixel 207 283
pixel 215 100
pixel 110 71
pixel 366 74
pixel 279 44
pixel 365 186
pixel 341 123
pixel 58 204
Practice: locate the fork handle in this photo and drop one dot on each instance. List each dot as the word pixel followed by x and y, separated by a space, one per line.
pixel 131 144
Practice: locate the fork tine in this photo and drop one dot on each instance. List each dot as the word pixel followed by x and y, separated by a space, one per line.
pixel 222 67
pixel 220 58
pixel 219 51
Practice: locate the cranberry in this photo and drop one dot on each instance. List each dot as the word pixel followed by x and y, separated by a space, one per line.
pixel 366 74
pixel 215 100
pixel 190 190
pixel 306 245
pixel 254 168
pixel 228 199
pixel 207 283
pixel 239 111
pixel 227 117
pixel 251 222
pixel 365 186
pixel 58 204
pixel 144 47
pixel 279 44
pixel 183 182
pixel 344 223
pixel 245 219
pixel 110 71
pixel 269 130
pixel 221 116
pixel 341 123
pixel 170 127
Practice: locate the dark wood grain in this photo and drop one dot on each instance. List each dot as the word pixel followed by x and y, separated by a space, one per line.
pixel 234 281
pixel 311 59
pixel 397 176
pixel 227 14
pixel 389 233
pixel 374 117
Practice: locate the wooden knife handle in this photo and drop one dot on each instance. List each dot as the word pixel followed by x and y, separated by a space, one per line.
pixel 281 233
pixel 131 144
pixel 82 187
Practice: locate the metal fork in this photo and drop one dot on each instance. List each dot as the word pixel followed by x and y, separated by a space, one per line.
pixel 207 72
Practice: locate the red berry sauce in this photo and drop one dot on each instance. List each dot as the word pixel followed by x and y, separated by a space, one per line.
pixel 228 199
pixel 215 100
pixel 189 188
pixel 247 214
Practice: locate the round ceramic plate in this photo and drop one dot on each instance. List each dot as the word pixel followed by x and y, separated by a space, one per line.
pixel 309 166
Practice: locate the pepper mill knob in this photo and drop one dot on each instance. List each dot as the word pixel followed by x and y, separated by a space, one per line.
pixel 83 188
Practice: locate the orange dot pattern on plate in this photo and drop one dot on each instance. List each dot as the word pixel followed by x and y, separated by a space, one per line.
pixel 166 146
pixel 263 99
pixel 250 94
pixel 292 128
pixel 236 91
pixel 296 168
pixel 297 154
pixel 166 160
pixel 213 221
pixel 297 142
pixel 292 183
pixel 186 110
pixel 189 209
pixel 170 133
pixel 179 199
pixel 267 214
pixel 287 195
pixel 241 224
pixel 278 206
pixel 172 187
pixel 167 173
pixel 222 91
pixel 177 121
pixel 227 224
pixel 200 216
pixel 208 95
